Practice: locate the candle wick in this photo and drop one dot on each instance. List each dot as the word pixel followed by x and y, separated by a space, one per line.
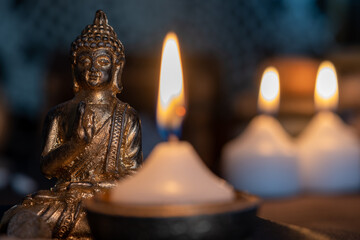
pixel 173 138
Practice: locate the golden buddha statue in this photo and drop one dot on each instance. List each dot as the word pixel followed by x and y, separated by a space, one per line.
pixel 89 141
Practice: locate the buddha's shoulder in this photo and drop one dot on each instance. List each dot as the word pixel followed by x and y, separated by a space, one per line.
pixel 60 110
pixel 130 112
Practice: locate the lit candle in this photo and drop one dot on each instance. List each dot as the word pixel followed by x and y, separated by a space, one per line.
pixel 263 159
pixel 173 172
pixel 329 149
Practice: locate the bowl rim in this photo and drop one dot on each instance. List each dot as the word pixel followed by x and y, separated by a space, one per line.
pixel 243 202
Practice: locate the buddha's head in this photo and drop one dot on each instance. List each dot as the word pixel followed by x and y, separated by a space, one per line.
pixel 97 57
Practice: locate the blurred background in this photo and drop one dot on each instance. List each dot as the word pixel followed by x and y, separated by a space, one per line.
pixel 225 46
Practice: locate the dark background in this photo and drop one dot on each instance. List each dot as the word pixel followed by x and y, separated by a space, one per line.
pixel 223 45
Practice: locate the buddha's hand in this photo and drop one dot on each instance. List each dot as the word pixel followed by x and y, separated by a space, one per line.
pixel 86 123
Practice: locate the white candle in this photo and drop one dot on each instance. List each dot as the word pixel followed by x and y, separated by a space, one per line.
pixel 263 159
pixel 329 149
pixel 173 172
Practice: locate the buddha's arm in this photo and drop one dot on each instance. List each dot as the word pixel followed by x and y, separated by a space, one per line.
pixel 56 152
pixel 133 151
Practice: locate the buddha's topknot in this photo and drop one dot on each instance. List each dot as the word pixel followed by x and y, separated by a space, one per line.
pixel 99 35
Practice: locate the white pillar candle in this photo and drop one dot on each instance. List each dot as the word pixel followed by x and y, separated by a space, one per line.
pixel 329 155
pixel 329 149
pixel 172 174
pixel 263 159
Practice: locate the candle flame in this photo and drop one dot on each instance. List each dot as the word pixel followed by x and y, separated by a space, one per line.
pixel 269 93
pixel 171 109
pixel 326 93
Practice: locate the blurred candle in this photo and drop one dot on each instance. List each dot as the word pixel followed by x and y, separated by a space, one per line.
pixel 263 159
pixel 329 149
pixel 173 172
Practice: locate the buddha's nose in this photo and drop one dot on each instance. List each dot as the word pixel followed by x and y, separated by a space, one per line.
pixel 92 69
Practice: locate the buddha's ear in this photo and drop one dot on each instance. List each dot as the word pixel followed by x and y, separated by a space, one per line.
pixel 76 84
pixel 117 83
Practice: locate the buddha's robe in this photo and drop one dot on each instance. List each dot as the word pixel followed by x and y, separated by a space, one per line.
pixel 114 152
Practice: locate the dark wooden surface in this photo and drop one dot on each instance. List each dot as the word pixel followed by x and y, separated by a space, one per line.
pixel 306 217
pixel 335 216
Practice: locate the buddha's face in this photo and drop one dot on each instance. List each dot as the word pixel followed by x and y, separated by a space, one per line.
pixel 93 68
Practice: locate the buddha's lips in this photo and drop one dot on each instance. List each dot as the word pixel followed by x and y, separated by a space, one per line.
pixel 94 76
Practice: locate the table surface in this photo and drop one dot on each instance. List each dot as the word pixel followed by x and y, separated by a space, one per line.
pixel 306 217
pixel 336 216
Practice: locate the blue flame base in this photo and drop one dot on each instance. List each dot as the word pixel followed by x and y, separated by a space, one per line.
pixel 165 133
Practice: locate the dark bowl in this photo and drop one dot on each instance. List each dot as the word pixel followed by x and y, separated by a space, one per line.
pixel 229 220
